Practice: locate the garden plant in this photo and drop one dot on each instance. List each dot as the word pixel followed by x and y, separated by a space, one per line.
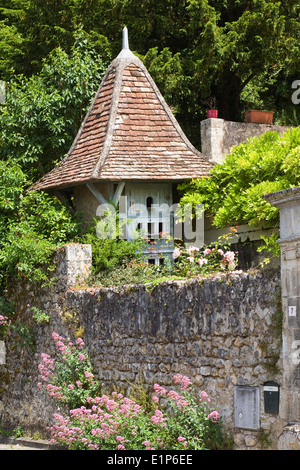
pixel 178 418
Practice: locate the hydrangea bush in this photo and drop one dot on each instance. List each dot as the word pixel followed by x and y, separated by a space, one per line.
pixel 179 418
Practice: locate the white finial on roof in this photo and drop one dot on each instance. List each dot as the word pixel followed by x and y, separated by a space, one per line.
pixel 125 43
pixel 125 52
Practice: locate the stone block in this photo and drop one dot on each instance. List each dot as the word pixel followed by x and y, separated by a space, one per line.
pixel 2 352
pixel 290 438
pixel 219 136
pixel 74 262
pixel 246 407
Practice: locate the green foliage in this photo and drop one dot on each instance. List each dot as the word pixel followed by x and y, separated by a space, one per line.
pixel 32 225
pixel 134 272
pixel 41 114
pixel 109 253
pixel 271 247
pixel 38 122
pixel 179 420
pixel 234 193
pixel 39 315
pixel 241 52
pixel 68 378
pixel 25 335
pixel 169 76
pixel 24 254
pixel 10 48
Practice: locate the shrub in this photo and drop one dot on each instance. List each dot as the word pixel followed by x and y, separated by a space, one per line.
pixel 177 419
pixel 68 378
pixel 216 257
pixel 181 421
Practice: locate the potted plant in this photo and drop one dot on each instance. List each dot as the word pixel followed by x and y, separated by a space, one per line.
pixel 211 103
pixel 258 113
pixel 259 116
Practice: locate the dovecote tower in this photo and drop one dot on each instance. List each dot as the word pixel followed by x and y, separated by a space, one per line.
pixel 128 144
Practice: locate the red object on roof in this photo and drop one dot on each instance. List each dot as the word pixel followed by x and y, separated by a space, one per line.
pixel 128 134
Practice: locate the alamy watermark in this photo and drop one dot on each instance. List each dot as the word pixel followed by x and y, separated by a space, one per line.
pixel 156 222
pixel 296 94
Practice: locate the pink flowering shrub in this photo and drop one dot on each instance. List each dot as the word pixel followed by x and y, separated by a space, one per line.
pixel 4 321
pixel 179 419
pixel 7 309
pixel 68 377
pixel 217 257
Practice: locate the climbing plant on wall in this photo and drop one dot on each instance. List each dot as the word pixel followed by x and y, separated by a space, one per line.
pixel 234 193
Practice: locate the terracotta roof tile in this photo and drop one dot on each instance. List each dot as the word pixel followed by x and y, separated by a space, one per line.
pixel 129 133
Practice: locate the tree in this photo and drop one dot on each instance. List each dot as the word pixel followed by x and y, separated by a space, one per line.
pixel 38 122
pixel 42 114
pixel 11 40
pixel 238 51
pixel 232 47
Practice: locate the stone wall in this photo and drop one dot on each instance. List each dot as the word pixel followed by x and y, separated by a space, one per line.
pixel 219 331
pixel 219 136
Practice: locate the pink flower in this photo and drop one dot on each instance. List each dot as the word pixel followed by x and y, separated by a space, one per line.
pixel 214 416
pixel 183 379
pixel 160 390
pixel 204 396
pixel 191 249
pixel 176 253
pixel 4 320
pixel 202 261
pixel 79 343
pixel 228 259
pixel 158 418
pixel 88 375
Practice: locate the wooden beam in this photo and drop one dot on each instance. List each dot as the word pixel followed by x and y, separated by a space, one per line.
pixel 118 192
pixel 96 193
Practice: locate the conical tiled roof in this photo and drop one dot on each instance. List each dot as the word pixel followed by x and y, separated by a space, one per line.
pixel 129 133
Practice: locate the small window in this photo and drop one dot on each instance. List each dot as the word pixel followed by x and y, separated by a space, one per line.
pixel 151 261
pixel 149 202
pixel 151 229
pixel 160 229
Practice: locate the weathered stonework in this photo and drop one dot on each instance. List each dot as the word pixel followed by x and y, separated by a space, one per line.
pixel 2 352
pixel 219 136
pixel 73 263
pixel 288 202
pixel 219 331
